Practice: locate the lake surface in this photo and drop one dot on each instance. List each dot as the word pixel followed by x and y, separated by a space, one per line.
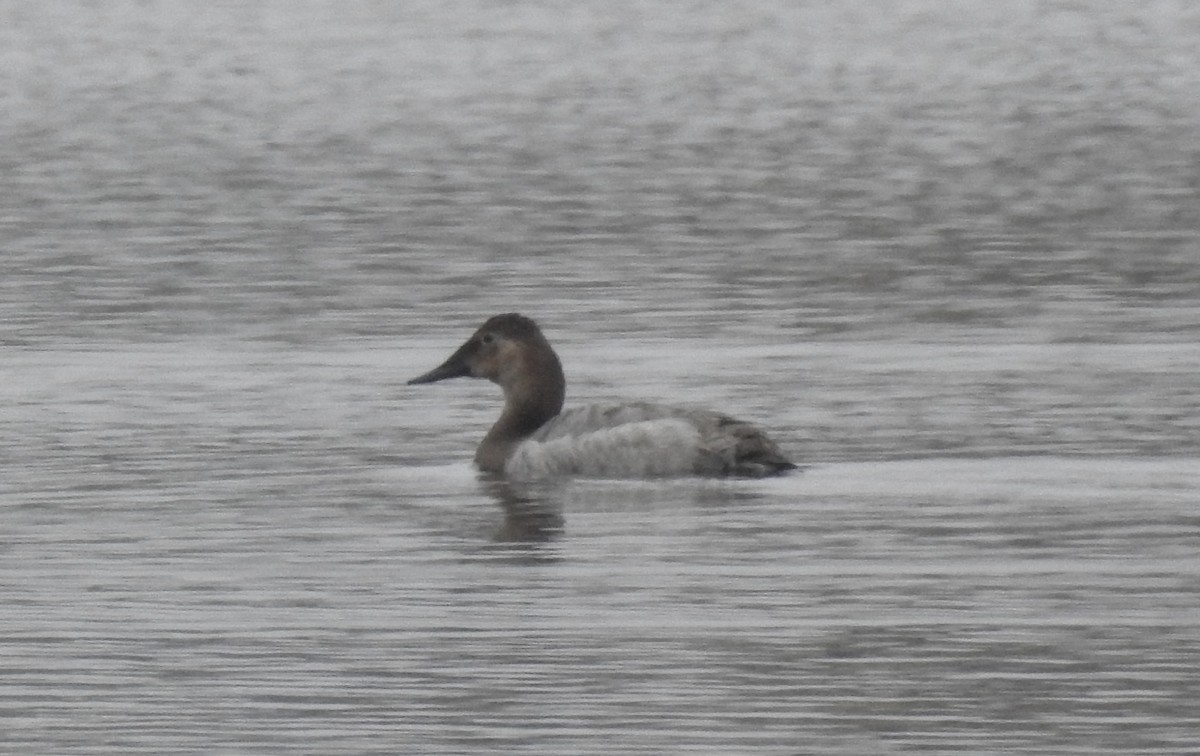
pixel 951 261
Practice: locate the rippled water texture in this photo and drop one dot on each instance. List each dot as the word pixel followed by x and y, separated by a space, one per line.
pixel 948 254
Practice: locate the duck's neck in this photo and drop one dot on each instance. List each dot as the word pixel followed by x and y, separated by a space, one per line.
pixel 532 396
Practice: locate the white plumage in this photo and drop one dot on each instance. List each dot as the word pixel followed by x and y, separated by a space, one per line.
pixel 666 447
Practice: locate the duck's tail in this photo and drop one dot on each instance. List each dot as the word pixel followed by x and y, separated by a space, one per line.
pixel 741 450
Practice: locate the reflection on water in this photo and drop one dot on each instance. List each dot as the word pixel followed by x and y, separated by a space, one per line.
pixel 947 259
pixel 531 513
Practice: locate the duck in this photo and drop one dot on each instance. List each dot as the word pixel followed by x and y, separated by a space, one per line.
pixel 535 439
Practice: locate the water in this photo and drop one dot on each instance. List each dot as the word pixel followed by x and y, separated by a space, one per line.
pixel 948 260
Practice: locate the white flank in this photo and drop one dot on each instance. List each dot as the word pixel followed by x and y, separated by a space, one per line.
pixel 650 448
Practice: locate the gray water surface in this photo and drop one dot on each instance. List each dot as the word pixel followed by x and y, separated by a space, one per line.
pixel 947 255
pixel 287 551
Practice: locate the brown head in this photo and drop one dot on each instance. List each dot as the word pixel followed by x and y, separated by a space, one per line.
pixel 511 351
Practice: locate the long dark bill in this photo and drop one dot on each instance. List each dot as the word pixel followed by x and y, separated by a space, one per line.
pixel 456 367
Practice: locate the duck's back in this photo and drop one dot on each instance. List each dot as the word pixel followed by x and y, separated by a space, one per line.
pixel 642 439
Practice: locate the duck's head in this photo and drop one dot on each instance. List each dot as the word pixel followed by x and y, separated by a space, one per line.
pixel 511 351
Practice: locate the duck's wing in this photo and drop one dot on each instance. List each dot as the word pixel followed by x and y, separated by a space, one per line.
pixel 580 421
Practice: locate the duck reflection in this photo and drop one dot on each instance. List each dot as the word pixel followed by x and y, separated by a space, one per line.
pixel 531 513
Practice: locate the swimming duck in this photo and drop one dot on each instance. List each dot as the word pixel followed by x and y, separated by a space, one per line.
pixel 534 439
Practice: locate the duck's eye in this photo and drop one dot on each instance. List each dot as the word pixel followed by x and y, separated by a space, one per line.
pixel 488 339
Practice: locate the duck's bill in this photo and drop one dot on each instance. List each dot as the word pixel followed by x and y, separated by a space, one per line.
pixel 455 367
